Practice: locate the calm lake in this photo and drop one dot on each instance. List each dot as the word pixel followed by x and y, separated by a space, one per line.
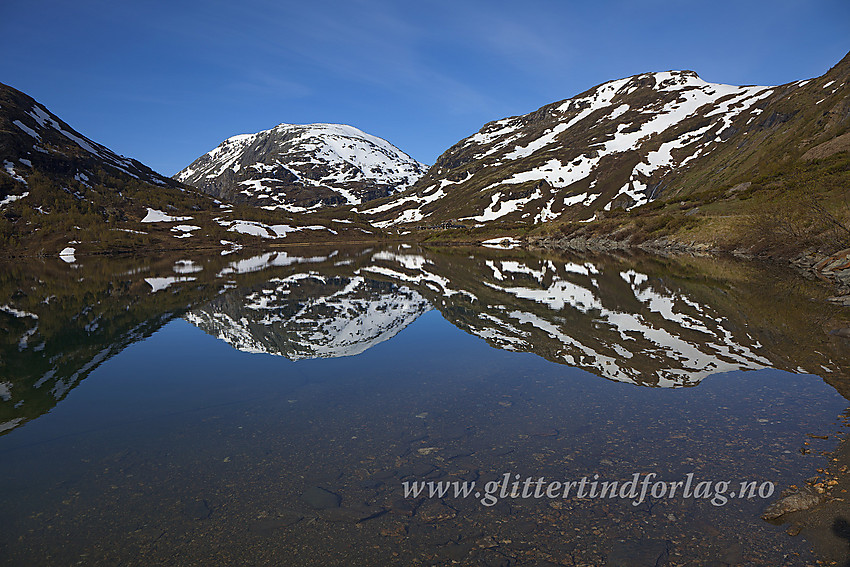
pixel 277 408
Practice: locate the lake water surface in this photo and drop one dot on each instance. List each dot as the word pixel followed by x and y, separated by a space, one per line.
pixel 270 408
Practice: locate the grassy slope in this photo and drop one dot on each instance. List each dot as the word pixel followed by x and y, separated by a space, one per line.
pixel 106 218
pixel 795 207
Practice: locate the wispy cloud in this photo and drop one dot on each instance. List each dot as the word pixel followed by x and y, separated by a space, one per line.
pixel 300 48
pixel 369 42
pixel 263 83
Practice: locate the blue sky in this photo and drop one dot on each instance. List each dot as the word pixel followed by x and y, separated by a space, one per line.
pixel 166 81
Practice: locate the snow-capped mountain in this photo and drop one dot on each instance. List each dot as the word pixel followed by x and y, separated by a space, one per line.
pixel 620 144
pixel 35 139
pixel 295 167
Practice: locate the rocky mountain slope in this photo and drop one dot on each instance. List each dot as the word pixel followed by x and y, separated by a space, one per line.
pixel 295 167
pixel 58 186
pixel 34 139
pixel 623 144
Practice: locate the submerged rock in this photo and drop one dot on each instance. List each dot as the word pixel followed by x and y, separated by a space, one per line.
pixel 796 502
pixel 843 332
pixel 318 498
pixel 197 510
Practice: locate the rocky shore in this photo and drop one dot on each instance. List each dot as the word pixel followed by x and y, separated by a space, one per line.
pixel 833 268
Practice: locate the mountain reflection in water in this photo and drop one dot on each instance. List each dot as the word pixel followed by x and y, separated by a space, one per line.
pixel 643 320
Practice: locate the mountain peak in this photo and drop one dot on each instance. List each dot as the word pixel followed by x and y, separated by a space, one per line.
pixel 299 166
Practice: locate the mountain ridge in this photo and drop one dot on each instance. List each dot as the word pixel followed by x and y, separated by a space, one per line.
pixel 654 156
pixel 618 145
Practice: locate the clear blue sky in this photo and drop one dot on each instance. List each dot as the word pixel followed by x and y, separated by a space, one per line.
pixel 166 81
